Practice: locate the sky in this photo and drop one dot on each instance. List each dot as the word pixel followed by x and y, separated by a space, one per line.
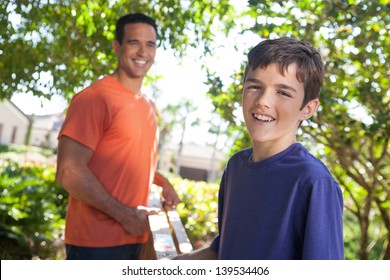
pixel 181 79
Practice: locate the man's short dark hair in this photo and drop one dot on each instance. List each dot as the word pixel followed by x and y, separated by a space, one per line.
pixel 129 19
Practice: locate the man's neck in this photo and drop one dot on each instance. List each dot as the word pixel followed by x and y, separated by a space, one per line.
pixel 133 85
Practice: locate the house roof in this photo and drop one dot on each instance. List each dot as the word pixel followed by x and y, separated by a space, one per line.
pixel 52 122
pixel 11 106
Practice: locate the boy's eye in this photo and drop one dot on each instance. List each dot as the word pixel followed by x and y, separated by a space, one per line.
pixel 284 93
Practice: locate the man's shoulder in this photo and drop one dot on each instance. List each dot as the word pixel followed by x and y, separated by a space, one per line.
pixel 100 83
pixel 97 89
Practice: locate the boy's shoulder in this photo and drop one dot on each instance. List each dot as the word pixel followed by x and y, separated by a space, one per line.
pixel 307 166
pixel 311 160
pixel 244 155
pixel 295 158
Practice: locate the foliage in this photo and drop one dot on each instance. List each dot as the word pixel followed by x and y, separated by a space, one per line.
pixel 198 209
pixel 198 212
pixel 351 131
pixel 69 42
pixel 176 115
pixel 22 149
pixel 32 211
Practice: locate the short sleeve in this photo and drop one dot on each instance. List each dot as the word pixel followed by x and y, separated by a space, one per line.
pixel 221 194
pixel 86 119
pixel 323 234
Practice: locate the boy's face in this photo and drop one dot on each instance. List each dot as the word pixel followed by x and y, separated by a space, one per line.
pixel 271 105
pixel 137 52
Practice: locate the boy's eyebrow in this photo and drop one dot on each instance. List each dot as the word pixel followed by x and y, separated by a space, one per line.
pixel 253 80
pixel 283 86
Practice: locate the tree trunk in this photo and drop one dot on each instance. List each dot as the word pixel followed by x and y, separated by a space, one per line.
pixel 386 255
pixel 364 242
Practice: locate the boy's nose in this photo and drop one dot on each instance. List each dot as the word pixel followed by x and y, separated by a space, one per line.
pixel 264 99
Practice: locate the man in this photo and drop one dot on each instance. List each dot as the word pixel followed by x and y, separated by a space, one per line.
pixel 107 153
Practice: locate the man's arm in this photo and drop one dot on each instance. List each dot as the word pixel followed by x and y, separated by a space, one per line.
pixel 202 254
pixel 168 191
pixel 75 176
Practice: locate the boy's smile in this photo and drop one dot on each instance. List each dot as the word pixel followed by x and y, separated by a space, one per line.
pixel 271 105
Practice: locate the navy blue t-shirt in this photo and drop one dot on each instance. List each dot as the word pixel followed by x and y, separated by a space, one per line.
pixel 285 207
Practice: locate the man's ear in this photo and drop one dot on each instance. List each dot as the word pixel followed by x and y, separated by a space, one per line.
pixel 115 46
pixel 309 109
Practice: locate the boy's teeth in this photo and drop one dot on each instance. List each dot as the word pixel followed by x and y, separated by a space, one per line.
pixel 263 118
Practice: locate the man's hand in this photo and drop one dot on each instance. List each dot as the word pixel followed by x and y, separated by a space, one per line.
pixel 168 192
pixel 170 195
pixel 135 220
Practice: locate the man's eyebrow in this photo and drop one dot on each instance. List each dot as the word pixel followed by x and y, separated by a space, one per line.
pixel 130 40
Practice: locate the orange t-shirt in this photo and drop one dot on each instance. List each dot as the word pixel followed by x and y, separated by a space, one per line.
pixel 121 129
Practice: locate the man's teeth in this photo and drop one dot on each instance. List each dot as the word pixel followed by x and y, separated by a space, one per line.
pixel 263 118
pixel 143 62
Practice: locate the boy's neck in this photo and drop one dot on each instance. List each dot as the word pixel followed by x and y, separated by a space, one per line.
pixel 262 151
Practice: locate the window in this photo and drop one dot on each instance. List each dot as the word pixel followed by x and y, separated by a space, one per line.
pixel 1 132
pixel 13 136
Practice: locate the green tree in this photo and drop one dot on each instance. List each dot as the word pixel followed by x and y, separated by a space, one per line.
pixel 57 47
pixel 69 42
pixel 177 115
pixel 351 130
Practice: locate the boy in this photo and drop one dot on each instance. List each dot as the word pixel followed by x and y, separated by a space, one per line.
pixel 276 200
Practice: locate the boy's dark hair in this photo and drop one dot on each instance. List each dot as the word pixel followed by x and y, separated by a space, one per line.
pixel 129 19
pixel 286 51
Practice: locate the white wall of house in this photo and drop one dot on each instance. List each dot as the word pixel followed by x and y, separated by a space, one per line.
pixel 45 130
pixel 13 124
pixel 194 157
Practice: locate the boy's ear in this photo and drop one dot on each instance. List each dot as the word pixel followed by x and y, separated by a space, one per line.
pixel 309 109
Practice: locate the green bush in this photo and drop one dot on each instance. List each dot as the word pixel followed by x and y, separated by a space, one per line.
pixel 198 210
pixel 32 211
pixel 33 207
pixel 21 150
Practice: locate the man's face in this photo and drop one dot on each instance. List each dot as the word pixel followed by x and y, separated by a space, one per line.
pixel 271 105
pixel 137 52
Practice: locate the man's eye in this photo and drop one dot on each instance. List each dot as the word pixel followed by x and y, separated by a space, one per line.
pixel 253 87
